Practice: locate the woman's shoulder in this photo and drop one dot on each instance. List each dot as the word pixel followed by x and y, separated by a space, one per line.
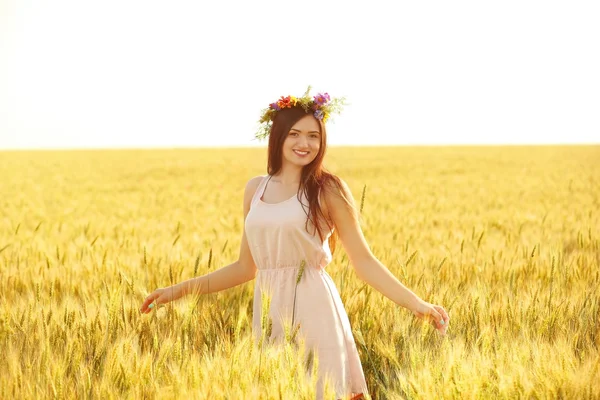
pixel 249 191
pixel 255 181
pixel 332 194
pixel 253 184
pixel 335 186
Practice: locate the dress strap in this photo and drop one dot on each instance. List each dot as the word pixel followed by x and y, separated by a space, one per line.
pixel 260 189
pixel 264 188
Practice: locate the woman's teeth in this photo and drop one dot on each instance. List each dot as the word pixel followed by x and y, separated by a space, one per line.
pixel 301 153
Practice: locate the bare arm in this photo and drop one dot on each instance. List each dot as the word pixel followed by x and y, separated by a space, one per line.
pixel 368 268
pixel 236 273
pixel 366 265
pixel 241 271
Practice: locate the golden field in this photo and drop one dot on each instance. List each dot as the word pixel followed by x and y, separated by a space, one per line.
pixel 507 239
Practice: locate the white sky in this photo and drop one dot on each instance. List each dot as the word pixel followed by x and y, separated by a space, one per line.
pixel 80 74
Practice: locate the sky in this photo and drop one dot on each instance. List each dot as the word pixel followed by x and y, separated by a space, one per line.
pixel 146 74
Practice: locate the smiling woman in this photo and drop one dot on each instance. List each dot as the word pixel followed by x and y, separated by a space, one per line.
pixel 312 136
pixel 292 219
pixel 303 140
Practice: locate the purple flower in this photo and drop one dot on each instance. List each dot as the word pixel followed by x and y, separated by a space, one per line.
pixel 318 114
pixel 321 98
pixel 274 106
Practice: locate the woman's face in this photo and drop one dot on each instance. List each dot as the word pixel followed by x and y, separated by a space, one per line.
pixel 302 142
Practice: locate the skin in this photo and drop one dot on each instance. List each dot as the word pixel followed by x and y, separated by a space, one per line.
pixel 369 269
pixel 305 135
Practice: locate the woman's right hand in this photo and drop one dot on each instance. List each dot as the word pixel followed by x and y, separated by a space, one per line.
pixel 160 297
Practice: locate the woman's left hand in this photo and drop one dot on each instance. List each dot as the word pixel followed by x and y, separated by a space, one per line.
pixel 435 314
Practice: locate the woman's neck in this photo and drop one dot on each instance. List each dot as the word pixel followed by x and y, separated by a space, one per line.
pixel 288 176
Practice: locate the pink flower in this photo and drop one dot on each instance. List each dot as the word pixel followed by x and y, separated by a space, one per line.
pixel 321 98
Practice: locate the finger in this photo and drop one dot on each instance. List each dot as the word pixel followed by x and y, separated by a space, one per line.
pixel 438 320
pixel 144 308
pixel 445 315
pixel 442 311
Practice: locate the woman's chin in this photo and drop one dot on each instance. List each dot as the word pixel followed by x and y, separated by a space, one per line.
pixel 303 162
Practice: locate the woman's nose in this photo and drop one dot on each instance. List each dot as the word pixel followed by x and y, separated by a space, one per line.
pixel 303 141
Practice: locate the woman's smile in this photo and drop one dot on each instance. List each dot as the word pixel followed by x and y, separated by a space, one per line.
pixel 301 153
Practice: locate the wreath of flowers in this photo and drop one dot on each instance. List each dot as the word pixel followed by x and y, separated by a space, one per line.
pixel 321 106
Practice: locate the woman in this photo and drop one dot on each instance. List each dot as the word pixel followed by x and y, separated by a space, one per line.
pixel 293 216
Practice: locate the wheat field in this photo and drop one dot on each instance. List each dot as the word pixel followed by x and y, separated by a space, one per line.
pixel 507 239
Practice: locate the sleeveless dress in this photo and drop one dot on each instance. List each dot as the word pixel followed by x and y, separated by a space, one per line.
pixel 280 244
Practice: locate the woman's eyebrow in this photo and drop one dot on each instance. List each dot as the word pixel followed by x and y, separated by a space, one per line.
pixel 298 130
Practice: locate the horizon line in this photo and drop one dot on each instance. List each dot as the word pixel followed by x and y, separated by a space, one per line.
pixel 223 147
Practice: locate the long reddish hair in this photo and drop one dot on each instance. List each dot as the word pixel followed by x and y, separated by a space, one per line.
pixel 314 178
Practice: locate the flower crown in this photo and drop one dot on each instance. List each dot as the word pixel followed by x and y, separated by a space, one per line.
pixel 321 106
